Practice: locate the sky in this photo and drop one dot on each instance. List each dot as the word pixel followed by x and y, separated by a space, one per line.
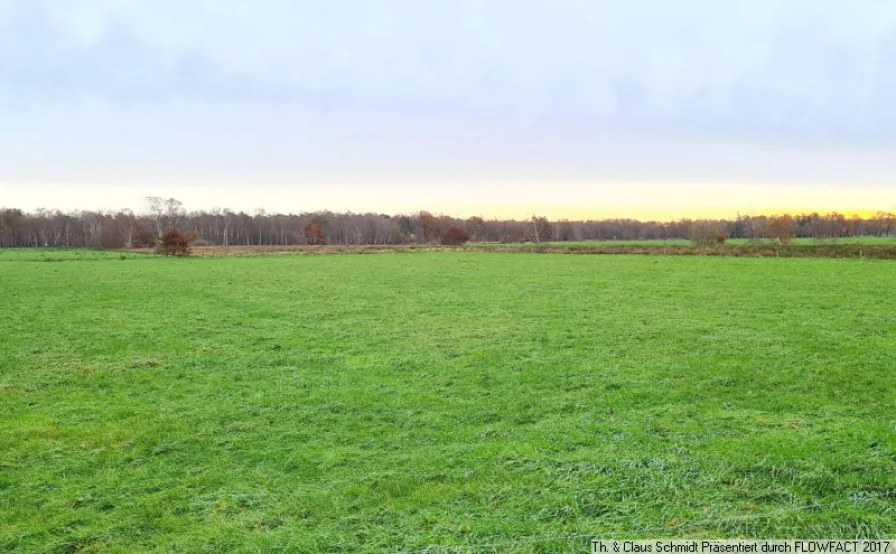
pixel 567 108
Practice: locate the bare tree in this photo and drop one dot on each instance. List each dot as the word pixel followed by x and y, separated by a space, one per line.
pixel 886 220
pixel 782 229
pixel 226 227
pixel 166 212
pixel 156 206
pixel 475 227
pixel 540 230
pixel 174 210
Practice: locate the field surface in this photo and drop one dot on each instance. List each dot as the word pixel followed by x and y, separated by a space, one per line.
pixel 65 255
pixel 388 403
pixel 870 241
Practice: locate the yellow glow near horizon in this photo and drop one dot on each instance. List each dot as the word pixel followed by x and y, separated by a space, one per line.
pixel 569 200
pixel 647 213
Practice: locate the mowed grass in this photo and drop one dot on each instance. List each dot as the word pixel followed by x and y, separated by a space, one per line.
pixel 388 403
pixel 864 240
pixel 65 255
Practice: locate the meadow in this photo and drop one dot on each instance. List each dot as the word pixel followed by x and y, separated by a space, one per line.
pixel 855 247
pixel 800 241
pixel 66 255
pixel 442 401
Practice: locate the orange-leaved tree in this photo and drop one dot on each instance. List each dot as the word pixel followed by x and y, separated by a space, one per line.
pixel 313 234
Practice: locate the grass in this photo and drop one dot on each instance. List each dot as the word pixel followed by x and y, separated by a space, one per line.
pixel 821 249
pixel 65 255
pixel 388 403
pixel 863 240
pixel 885 241
pixel 758 250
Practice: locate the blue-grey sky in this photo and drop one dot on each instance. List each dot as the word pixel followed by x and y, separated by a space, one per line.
pixel 463 104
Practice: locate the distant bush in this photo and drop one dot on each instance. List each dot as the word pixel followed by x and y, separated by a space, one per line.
pixel 455 236
pixel 174 243
pixel 721 238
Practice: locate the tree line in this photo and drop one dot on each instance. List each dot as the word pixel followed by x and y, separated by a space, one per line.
pixel 127 229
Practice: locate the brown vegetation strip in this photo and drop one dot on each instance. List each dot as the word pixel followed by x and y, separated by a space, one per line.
pixel 763 250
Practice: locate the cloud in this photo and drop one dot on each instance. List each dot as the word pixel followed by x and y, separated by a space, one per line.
pixel 743 66
pixel 586 87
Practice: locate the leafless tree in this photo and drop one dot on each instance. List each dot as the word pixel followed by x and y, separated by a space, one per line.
pixel 540 230
pixel 226 227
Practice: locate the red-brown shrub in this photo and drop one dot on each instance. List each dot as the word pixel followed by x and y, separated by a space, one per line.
pixel 455 236
pixel 174 243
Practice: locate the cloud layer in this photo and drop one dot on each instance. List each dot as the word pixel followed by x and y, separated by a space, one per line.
pixel 586 89
pixel 768 66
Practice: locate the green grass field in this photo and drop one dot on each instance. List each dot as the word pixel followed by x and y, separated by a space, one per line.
pixel 65 255
pixel 870 241
pixel 387 403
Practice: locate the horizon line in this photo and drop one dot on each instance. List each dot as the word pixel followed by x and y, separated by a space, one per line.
pixel 519 213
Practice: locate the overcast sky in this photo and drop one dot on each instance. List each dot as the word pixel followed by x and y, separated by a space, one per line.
pixel 496 107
